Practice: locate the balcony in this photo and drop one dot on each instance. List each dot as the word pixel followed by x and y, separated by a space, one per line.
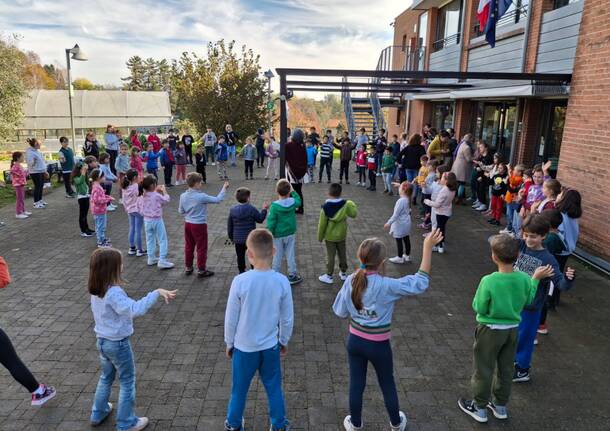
pixel 514 16
pixel 454 39
pixel 405 58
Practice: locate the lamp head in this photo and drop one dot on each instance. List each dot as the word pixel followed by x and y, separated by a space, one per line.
pixel 269 74
pixel 78 54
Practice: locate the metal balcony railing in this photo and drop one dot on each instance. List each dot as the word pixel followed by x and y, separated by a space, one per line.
pixel 407 58
pixel 454 39
pixel 512 17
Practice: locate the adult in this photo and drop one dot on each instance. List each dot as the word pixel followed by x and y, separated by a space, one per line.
pixel 362 140
pixel 154 140
pixel 296 164
pixel 453 144
pixel 91 147
pixel 37 167
pixel 462 164
pixel 478 180
pixel 231 139
pixel 380 145
pixel 409 159
pixel 112 145
pixel 172 139
pixel 134 139
pixel 187 141
pixel 439 147
pixel 260 148
pixel 314 136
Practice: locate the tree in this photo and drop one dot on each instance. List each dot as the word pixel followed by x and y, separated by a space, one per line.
pixel 12 87
pixel 136 78
pixel 58 74
pixel 151 75
pixel 225 87
pixel 83 84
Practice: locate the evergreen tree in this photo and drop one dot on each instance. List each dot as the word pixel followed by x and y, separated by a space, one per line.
pixel 136 78
pixel 151 75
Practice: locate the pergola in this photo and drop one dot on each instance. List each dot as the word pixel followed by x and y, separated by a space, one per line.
pixel 390 81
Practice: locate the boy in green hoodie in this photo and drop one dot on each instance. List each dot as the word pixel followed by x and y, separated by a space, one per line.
pixel 498 302
pixel 282 223
pixel 332 228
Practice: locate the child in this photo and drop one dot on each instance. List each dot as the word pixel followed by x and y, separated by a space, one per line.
pixel 532 255
pixel 181 162
pixel 19 179
pixel 193 206
pixel 99 206
pixel 166 157
pixel 435 188
pixel 513 185
pixel 121 165
pixel 66 160
pixel 520 199
pixel 326 159
pixel 312 152
pixel 248 152
pixel 135 162
pixel 443 204
pixel 81 182
pixel 388 163
pixel 109 177
pixel 222 155
pixel 371 165
pixel 152 160
pixel 426 191
pixel 113 313
pixel 9 358
pixel 368 298
pixel 258 325
pixel 361 166
pixel 209 142
pixel 242 220
pixel 150 206
pixel 533 193
pixel 399 224
pixel 332 229
pixel 282 223
pixel 187 142
pixel 344 158
pixel 131 195
pixel 201 162
pixel 498 191
pixel 569 204
pixel 420 179
pixel 498 302
pixel 550 189
pixel 273 154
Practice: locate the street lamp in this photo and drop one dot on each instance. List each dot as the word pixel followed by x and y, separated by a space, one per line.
pixel 77 54
pixel 269 74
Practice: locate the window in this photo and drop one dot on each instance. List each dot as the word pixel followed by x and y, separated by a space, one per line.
pixel 442 115
pixel 516 12
pixel 398 116
pixel 423 29
pixel 561 3
pixel 404 43
pixel 448 25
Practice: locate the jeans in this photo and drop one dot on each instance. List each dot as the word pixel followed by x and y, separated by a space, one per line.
pixel 38 180
pixel 19 199
pixel 333 248
pixel 83 210
pixel 221 168
pixel 100 228
pixel 136 222
pixel 231 154
pixel 116 356
pixel 152 172
pixel 517 222
pixel 189 153
pixel 511 209
pixel 411 175
pixel 285 245
pixel 66 177
pixel 245 365
pixel 361 174
pixel 344 170
pixel 155 233
pixel 11 361
pixel 210 154
pixel 260 156
pixel 240 251
pixel 325 162
pixel 530 320
pixel 387 181
pixel 360 352
pixel 407 242
pixel 441 223
pixel 195 238
pixel 373 179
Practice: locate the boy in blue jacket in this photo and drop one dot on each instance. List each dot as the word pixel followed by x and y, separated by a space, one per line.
pixel 222 155
pixel 152 160
pixel 166 156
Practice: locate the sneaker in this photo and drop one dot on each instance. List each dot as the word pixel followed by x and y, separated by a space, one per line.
pixel 470 408
pixel 499 412
pixel 406 258
pixel 45 203
pixel 358 183
pixel 240 428
pixel 325 278
pixel 164 264
pixel 21 216
pixel 47 393
pixel 140 424
pixel 295 279
pixel 403 423
pixel 481 207
pixel 188 271
pixel 435 249
pixel 536 341
pixel 506 231
pixel 476 203
pixel 440 250
pixel 27 213
pixel 521 376
pixel 140 253
pixel 397 259
pixel 38 205
pixel 152 261
pixel 98 423
pixel 86 234
pixel 542 329
pixel 105 244
pixel 132 251
pixel 111 208
pixel 205 273
pixel 343 276
pixel 347 424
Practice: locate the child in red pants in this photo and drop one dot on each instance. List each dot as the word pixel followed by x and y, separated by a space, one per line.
pixel 498 190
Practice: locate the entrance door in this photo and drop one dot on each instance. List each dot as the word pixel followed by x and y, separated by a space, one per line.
pixel 549 144
pixel 495 125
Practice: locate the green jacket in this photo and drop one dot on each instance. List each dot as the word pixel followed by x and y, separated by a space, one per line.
pixel 387 164
pixel 332 225
pixel 281 220
pixel 81 184
pixel 500 297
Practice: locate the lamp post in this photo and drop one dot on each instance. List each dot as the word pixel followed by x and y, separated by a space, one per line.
pixel 77 54
pixel 269 74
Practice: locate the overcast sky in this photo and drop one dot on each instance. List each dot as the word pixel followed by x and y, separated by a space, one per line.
pixel 286 33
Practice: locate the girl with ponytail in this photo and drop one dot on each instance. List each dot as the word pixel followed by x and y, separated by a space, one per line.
pixel 367 298
pixel 131 195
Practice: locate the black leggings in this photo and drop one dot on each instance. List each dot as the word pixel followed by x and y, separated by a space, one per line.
pixel 260 156
pixel 10 360
pixel 83 210
pixel 298 188
pixel 328 163
pixel 361 174
pixel 38 180
pixel 66 178
pixel 373 178
pixel 441 224
pixel 189 153
pixel 344 170
pixel 240 250
pixel 407 249
pixel 249 167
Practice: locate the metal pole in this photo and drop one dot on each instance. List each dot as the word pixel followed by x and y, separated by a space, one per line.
pixel 283 125
pixel 70 102
pixel 269 114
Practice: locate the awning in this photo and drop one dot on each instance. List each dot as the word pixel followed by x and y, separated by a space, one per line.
pixel 525 90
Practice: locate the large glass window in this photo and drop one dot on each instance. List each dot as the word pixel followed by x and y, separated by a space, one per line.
pixel 448 25
pixel 553 121
pixel 423 28
pixel 442 115
pixel 495 125
pixel 561 3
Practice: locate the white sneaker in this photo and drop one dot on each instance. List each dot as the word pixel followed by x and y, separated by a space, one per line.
pixel 343 276
pixel 21 216
pixel 44 203
pixel 481 207
pixel 140 425
pixel 152 262
pixel 505 230
pixel 440 250
pixel 27 213
pixel 120 202
pixel 111 208
pixel 347 424
pixel 38 205
pixel 403 423
pixel 325 278
pixel 435 249
pixel 397 259
pixel 164 264
pixel 476 203
pixel 406 258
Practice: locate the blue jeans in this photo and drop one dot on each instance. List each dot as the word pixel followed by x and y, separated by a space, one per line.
pixel 285 245
pixel 155 233
pixel 511 209
pixel 116 356
pixel 516 224
pixel 530 320
pixel 411 175
pixel 231 154
pixel 360 352
pixel 135 230
pixel 245 366
pixel 387 180
pixel 100 228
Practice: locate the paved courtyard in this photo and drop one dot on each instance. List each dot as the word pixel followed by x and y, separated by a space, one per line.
pixel 184 378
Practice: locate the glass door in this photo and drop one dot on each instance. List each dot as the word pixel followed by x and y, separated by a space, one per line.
pixel 549 145
pixel 495 125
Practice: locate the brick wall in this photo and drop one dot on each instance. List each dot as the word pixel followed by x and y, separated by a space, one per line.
pixel 583 162
pixel 464 115
pixel 530 132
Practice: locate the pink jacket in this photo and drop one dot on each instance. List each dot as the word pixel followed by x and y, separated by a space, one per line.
pixel 130 197
pixel 18 175
pixel 136 163
pixel 150 205
pixel 98 200
pixel 443 202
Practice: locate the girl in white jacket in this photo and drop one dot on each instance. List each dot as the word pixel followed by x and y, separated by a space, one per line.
pixel 443 205
pixel 399 224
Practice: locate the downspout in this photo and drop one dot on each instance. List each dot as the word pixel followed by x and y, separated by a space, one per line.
pixel 526 37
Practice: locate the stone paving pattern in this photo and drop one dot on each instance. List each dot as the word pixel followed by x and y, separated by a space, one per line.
pixel 183 378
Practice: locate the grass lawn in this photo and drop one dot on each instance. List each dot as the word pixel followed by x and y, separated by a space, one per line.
pixel 7 194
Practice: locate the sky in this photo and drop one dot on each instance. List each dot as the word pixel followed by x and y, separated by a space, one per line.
pixel 286 33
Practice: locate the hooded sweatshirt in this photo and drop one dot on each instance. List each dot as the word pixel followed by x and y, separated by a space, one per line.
pixel 282 220
pixel 570 230
pixel 242 220
pixel 332 225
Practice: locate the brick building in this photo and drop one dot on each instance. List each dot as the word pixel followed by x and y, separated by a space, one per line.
pixel 525 121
